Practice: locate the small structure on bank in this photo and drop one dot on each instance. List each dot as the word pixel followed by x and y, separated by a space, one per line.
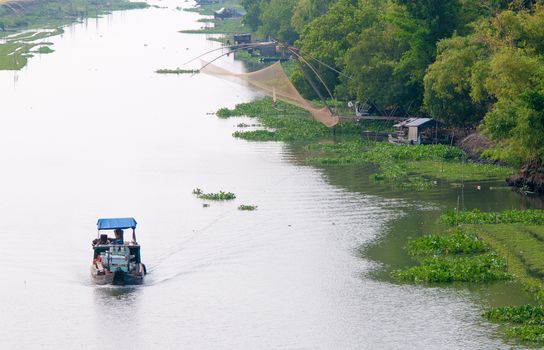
pixel 418 131
pixel 225 13
pixel 269 50
pixel 243 38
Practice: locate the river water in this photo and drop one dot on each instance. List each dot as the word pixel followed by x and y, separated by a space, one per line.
pixel 91 131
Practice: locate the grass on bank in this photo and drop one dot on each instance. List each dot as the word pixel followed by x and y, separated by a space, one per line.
pixel 517 236
pixel 56 13
pixel 432 161
pixel 405 166
pixel 13 56
pixel 523 249
pixel 45 14
pixel 484 253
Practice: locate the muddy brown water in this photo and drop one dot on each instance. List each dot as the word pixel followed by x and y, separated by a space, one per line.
pixel 91 131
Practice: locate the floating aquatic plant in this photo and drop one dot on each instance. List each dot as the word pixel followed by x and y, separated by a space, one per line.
pixel 529 216
pixel 219 196
pixel 456 242
pixel 527 321
pixel 479 268
pixel 247 207
pixel 177 71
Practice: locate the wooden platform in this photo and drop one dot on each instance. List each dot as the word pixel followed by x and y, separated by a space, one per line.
pixel 370 117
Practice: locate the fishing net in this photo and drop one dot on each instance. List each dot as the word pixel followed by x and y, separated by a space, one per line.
pixel 273 81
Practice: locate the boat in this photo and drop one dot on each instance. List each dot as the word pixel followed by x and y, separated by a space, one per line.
pixel 115 260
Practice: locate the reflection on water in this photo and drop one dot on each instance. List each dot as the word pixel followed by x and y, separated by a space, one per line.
pixel 90 131
pixel 105 294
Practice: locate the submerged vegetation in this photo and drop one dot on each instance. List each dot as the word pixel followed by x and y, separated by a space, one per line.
pixel 219 196
pixel 45 18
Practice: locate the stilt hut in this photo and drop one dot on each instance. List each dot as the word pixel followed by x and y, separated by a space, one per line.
pixel 417 131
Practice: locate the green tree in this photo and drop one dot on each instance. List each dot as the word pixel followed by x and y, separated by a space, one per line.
pixel 252 18
pixel 448 82
pixel 276 20
pixel 306 11
pixel 329 37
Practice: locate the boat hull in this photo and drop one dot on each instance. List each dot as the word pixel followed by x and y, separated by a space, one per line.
pixel 119 277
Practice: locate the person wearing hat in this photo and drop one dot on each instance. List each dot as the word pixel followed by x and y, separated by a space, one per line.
pixel 118 236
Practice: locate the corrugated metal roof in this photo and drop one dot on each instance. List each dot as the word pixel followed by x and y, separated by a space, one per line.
pixel 418 122
pixel 404 122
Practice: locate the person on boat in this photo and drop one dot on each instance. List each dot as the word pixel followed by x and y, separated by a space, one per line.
pixel 118 236
pixel 102 240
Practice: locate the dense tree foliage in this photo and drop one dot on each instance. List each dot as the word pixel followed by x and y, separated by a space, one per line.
pixel 468 63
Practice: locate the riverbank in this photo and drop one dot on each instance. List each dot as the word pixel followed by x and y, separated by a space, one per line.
pixel 412 167
pixel 483 247
pixel 24 29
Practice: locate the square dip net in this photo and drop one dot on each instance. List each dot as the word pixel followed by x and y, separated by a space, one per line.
pixel 273 81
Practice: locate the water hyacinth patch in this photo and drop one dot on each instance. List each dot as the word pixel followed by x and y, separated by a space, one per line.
pixel 526 321
pixel 177 71
pixel 247 207
pixel 526 314
pixel 529 216
pixel 458 242
pixel 480 268
pixel 454 256
pixel 289 123
pixel 219 196
pixel 533 334
pixel 256 135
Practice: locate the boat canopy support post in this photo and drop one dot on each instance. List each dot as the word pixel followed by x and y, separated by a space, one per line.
pixel 134 235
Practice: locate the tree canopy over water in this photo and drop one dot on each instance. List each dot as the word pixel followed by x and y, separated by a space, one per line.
pixel 468 63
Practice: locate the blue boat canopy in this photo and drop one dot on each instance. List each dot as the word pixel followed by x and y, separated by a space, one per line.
pixel 111 224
